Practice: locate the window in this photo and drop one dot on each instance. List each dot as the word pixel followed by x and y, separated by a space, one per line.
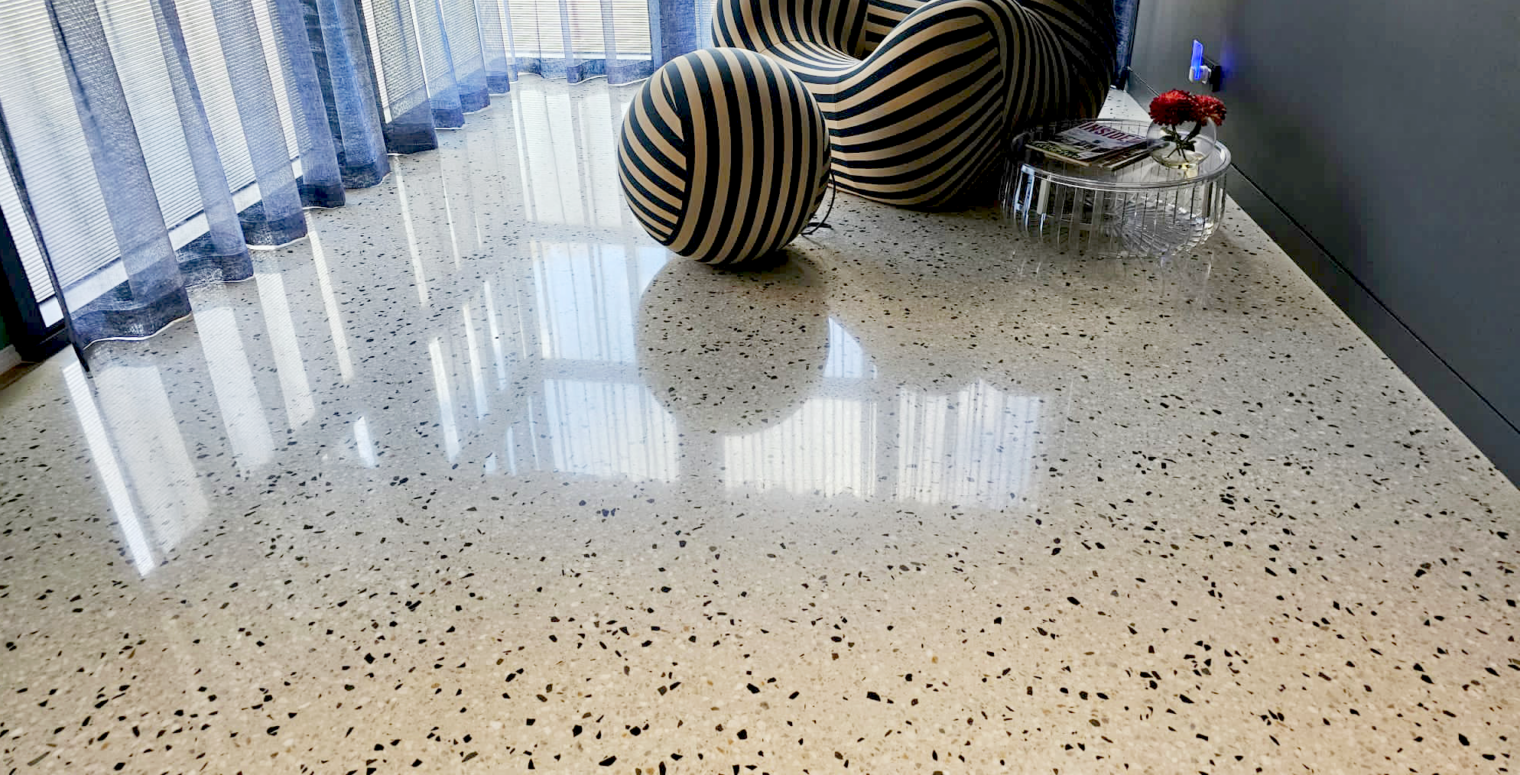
pixel 50 144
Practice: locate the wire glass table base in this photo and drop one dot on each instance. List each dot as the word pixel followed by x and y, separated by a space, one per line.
pixel 1143 209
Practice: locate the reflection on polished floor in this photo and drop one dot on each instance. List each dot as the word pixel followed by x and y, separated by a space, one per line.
pixel 478 478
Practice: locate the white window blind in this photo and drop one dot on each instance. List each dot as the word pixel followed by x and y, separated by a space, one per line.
pixel 50 146
pixel 537 30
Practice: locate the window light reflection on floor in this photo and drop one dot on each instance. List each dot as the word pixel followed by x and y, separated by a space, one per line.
pixel 610 429
pixel 232 381
pixel 274 298
pixel 110 469
pixel 972 448
pixel 445 400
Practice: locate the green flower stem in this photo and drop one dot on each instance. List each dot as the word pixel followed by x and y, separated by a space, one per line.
pixel 1181 145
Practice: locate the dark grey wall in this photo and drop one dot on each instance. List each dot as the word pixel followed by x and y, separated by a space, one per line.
pixel 1380 140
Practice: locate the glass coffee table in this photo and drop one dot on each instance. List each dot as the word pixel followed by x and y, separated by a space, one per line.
pixel 1145 209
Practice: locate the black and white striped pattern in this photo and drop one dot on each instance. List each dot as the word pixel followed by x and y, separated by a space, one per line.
pixel 920 97
pixel 723 155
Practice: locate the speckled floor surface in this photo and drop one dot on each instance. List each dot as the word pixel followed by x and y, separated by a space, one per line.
pixel 478 480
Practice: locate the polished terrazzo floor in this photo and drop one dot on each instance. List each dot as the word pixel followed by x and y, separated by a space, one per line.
pixel 478 479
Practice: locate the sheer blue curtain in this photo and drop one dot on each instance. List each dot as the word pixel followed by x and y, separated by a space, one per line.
pixel 152 143
pixel 346 86
pixel 153 292
pixel 1125 14
pixel 223 242
pixel 677 28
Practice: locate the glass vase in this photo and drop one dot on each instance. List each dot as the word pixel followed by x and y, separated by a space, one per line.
pixel 1184 146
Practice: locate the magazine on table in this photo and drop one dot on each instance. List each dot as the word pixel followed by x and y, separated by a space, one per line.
pixel 1094 144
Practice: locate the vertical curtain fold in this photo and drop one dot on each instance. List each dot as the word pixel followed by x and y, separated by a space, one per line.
pixel 496 46
pixel 463 29
pixel 222 244
pixel 673 29
pixel 320 184
pixel 1125 13
pixel 401 86
pixel 152 293
pixel 438 64
pixel 348 92
pixel 276 218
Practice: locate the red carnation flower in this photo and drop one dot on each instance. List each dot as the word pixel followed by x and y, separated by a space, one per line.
pixel 1209 109
pixel 1173 108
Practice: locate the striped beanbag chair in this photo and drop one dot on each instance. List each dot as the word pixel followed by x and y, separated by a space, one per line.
pixel 723 155
pixel 921 97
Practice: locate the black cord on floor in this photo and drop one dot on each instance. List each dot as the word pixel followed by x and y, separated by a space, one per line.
pixel 823 223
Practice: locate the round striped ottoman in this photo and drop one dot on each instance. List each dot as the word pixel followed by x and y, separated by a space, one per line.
pixel 723 156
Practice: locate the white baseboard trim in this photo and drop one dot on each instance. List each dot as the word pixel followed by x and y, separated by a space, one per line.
pixel 9 359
